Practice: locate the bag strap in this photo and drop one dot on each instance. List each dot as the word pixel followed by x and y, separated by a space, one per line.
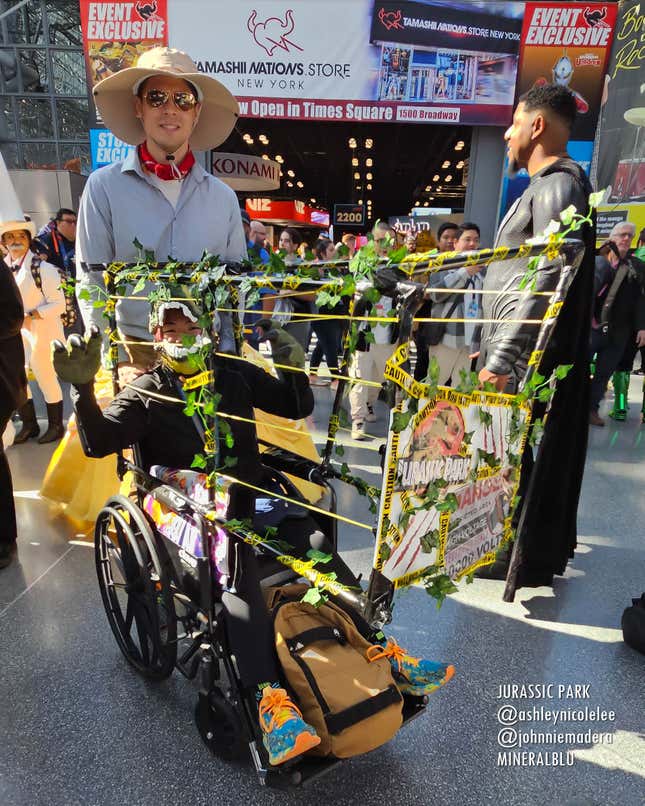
pixel 362 710
pixel 303 639
pixel 452 309
pixel 621 273
pixel 35 273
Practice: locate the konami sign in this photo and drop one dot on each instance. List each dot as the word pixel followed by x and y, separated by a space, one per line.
pixel 245 172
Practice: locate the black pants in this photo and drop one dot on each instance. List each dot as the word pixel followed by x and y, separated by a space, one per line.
pixel 248 623
pixel 626 363
pixel 329 333
pixel 609 350
pixel 422 343
pixel 8 529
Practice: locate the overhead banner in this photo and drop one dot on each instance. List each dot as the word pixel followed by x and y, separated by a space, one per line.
pixel 115 33
pixel 296 212
pixel 621 138
pixel 451 476
pixel 417 62
pixel 566 44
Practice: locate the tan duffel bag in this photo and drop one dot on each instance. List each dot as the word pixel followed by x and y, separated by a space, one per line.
pixel 353 703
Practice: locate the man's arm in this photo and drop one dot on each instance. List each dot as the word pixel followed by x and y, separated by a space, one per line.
pixel 54 304
pixel 455 278
pixel 602 275
pixel 122 423
pixel 287 396
pixel 236 248
pixel 639 314
pixel 94 244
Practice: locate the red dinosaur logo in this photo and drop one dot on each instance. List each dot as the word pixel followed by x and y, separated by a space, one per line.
pixel 390 19
pixel 147 9
pixel 273 32
pixel 595 17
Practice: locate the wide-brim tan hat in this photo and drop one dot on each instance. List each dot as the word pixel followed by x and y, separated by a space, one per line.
pixel 114 98
pixel 13 226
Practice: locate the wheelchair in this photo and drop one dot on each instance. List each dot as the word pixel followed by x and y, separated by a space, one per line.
pixel 162 563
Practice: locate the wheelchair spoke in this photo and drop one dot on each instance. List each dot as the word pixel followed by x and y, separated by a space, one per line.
pixel 136 590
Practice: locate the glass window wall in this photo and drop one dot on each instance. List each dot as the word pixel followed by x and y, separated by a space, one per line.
pixel 45 107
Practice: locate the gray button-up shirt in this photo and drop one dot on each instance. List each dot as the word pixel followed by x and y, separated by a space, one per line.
pixel 120 204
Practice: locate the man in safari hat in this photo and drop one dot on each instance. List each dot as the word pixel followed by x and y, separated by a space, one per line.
pixel 158 196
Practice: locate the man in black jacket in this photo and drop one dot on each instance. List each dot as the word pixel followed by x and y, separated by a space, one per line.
pixel 618 313
pixel 13 394
pixel 550 485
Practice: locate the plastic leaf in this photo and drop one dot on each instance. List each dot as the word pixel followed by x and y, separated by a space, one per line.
pixel 319 556
pixel 562 370
pixel 597 198
pixel 199 461
pixel 314 597
pixel 400 420
pixel 566 216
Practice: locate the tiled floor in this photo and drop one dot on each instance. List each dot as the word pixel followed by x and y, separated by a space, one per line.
pixel 77 726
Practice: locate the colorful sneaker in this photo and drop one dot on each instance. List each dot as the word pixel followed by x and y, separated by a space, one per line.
pixel 413 675
pixel 284 732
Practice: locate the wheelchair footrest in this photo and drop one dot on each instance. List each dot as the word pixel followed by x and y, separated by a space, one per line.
pixel 303 770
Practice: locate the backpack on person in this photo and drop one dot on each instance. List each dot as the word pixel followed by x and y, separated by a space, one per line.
pixel 353 703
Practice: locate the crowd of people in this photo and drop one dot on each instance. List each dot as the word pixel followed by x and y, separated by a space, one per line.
pixel 159 197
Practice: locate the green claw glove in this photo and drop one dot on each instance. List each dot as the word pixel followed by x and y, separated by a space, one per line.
pixel 284 348
pixel 79 360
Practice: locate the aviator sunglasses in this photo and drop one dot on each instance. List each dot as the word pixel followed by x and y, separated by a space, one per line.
pixel 183 100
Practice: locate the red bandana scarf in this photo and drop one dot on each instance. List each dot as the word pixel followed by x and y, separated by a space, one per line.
pixel 165 170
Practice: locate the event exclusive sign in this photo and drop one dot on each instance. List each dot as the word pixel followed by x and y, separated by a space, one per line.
pixel 115 33
pixel 357 61
pixel 451 475
pixel 566 44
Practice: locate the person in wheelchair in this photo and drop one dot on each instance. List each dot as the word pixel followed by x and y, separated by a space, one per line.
pixel 149 412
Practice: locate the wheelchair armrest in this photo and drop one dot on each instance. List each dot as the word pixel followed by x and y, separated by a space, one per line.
pixel 292 463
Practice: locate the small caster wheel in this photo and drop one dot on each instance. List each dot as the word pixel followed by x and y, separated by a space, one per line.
pixel 220 726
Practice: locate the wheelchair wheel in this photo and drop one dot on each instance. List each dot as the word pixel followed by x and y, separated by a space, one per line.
pixel 220 726
pixel 135 588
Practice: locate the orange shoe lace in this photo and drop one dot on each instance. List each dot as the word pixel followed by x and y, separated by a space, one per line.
pixel 390 650
pixel 278 706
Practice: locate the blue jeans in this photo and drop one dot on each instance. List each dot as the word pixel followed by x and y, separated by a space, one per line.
pixel 328 332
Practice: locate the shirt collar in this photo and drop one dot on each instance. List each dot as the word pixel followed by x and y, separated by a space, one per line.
pixel 24 261
pixel 132 164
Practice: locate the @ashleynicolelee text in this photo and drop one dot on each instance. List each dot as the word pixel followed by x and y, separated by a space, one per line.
pixel 544 691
